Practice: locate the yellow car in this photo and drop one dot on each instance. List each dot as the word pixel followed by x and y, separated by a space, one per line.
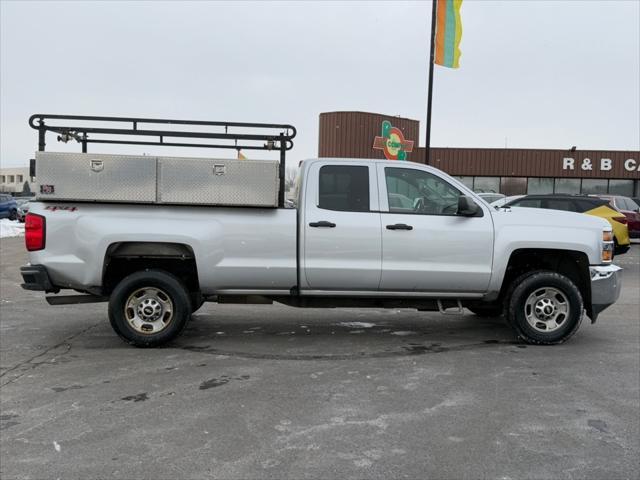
pixel 618 223
pixel 582 204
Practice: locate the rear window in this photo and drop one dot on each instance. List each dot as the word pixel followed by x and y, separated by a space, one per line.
pixel 586 204
pixel 344 188
pixel 629 204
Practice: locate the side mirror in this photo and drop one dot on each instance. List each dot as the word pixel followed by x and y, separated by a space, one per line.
pixel 467 207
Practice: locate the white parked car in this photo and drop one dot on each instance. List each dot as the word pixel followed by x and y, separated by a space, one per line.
pixel 490 197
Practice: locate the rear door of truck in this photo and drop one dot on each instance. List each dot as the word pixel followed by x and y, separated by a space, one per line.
pixel 342 243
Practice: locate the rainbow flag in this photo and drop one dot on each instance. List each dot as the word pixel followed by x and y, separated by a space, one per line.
pixel 448 33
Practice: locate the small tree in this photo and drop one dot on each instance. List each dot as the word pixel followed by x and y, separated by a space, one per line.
pixel 290 179
pixel 26 188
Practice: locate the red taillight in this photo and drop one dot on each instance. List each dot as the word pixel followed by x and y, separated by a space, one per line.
pixel 622 220
pixel 34 231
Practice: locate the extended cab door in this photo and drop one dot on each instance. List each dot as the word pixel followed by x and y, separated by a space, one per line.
pixel 341 247
pixel 427 247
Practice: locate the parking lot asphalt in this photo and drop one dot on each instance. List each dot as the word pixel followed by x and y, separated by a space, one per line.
pixel 278 392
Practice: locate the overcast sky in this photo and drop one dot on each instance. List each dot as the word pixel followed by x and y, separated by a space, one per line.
pixel 532 74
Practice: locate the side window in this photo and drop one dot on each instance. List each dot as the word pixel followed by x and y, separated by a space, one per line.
pixel 528 203
pixel 344 188
pixel 561 204
pixel 417 191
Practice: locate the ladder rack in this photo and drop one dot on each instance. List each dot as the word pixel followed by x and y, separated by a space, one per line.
pixel 92 129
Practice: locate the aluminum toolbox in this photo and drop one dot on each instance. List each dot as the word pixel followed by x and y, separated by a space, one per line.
pixel 250 183
pixel 149 179
pixel 96 177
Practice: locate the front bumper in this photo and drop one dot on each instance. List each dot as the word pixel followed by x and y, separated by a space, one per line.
pixel 36 278
pixel 606 283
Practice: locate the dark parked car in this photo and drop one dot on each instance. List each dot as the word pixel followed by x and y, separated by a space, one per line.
pixel 8 207
pixel 630 210
pixel 589 205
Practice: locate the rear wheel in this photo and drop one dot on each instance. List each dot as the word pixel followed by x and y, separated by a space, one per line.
pixel 13 215
pixel 149 308
pixel 544 308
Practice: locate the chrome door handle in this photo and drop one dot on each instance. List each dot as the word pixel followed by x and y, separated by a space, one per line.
pixel 323 223
pixel 399 226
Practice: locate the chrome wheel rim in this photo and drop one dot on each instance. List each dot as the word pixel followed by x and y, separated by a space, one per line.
pixel 148 310
pixel 546 309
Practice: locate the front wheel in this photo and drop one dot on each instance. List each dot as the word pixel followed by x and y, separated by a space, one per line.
pixel 149 308
pixel 13 215
pixel 544 308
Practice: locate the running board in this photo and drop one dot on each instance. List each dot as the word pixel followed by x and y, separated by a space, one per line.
pixel 447 310
pixel 74 299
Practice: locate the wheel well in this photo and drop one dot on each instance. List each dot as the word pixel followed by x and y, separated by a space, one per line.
pixel 574 265
pixel 125 258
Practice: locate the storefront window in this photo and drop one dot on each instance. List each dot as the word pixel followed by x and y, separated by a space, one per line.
pixel 621 187
pixel 567 185
pixel 513 185
pixel 486 184
pixel 540 186
pixel 594 185
pixel 468 181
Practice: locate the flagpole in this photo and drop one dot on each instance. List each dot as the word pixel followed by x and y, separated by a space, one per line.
pixel 430 91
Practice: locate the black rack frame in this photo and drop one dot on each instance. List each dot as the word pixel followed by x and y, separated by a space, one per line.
pixel 281 140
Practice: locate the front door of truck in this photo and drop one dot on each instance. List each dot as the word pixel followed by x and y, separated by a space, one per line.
pixel 341 245
pixel 427 247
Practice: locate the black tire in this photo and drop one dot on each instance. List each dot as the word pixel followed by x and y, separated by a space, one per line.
pixel 13 215
pixel 196 302
pixel 170 297
pixel 489 310
pixel 519 307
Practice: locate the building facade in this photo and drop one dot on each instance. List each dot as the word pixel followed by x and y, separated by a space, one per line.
pixel 12 180
pixel 510 171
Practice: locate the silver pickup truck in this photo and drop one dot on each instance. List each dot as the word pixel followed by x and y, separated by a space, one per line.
pixel 364 233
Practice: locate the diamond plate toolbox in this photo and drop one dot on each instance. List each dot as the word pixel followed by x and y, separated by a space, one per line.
pixel 249 183
pixel 96 177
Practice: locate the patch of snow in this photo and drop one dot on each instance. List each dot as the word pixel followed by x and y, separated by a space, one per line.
pixel 403 333
pixel 56 445
pixel 11 228
pixel 357 324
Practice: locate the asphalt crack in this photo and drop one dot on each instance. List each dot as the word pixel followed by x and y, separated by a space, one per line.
pixel 30 361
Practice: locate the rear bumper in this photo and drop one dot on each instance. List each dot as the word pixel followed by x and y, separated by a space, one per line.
pixel 37 278
pixel 606 283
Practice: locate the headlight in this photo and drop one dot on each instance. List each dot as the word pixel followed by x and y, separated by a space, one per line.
pixel 607 247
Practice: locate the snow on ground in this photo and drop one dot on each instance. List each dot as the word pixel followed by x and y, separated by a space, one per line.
pixel 11 228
